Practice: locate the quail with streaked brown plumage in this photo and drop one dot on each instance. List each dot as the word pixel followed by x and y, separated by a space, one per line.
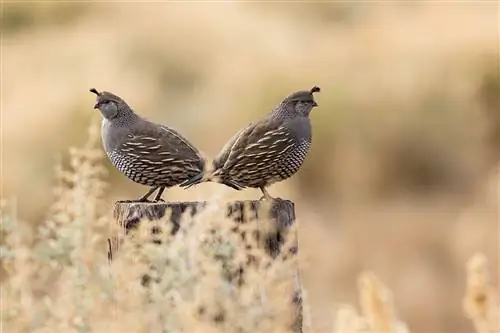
pixel 267 151
pixel 147 153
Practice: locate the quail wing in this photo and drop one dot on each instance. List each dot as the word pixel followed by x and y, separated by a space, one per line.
pixel 258 150
pixel 162 148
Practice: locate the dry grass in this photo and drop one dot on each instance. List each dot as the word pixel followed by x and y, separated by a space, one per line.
pixel 56 278
pixel 378 313
pixel 481 299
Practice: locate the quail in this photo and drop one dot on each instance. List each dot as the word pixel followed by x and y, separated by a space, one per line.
pixel 267 151
pixel 147 153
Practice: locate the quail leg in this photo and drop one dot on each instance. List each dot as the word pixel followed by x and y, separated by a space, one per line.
pixel 146 196
pixel 266 195
pixel 158 196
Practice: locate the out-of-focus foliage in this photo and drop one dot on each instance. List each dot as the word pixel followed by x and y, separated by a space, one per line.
pixel 18 16
pixel 401 178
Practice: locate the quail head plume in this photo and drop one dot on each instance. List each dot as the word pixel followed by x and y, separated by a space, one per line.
pixel 267 151
pixel 147 153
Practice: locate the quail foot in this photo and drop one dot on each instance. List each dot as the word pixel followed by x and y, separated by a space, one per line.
pixel 147 153
pixel 267 151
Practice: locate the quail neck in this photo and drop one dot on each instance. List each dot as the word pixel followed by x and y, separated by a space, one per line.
pixel 117 117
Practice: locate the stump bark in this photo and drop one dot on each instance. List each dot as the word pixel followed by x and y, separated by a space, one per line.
pixel 280 213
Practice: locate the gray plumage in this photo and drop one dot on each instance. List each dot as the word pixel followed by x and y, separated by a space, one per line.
pixel 147 153
pixel 267 151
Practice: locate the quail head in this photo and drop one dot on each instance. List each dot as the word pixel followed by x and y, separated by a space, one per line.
pixel 267 151
pixel 147 153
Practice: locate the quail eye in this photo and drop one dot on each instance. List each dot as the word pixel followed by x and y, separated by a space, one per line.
pixel 104 103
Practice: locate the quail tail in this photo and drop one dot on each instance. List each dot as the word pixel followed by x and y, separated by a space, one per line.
pixel 201 177
pixel 231 184
pixel 193 181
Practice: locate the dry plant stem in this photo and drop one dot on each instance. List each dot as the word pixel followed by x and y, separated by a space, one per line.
pixel 480 302
pixel 377 310
pixel 376 303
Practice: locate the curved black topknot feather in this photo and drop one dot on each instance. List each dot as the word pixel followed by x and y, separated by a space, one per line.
pixel 94 90
pixel 315 89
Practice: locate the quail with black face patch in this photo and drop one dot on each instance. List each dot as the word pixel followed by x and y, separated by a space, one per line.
pixel 147 153
pixel 267 151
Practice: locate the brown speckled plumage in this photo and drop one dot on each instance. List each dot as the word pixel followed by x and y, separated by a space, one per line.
pixel 147 153
pixel 267 151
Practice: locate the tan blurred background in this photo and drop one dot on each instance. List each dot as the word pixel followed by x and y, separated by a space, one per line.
pixel 401 178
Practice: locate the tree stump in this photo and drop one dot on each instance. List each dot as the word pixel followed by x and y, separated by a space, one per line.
pixel 280 213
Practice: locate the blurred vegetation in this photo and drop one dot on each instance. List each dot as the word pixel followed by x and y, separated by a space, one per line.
pixel 405 140
pixel 489 99
pixel 19 16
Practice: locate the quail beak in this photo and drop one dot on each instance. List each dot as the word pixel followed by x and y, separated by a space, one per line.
pixel 96 105
pixel 315 104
